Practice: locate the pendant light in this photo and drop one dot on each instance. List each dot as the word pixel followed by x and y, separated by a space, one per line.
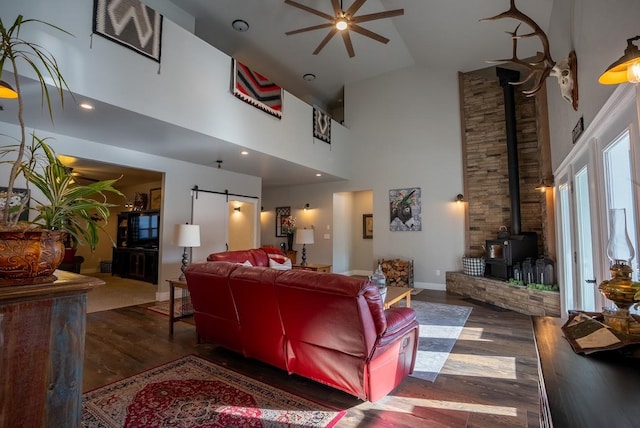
pixel 626 69
pixel 6 91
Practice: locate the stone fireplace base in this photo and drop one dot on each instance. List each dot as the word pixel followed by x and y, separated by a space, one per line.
pixel 501 294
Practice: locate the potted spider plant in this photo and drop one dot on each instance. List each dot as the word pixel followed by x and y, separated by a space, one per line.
pixel 30 251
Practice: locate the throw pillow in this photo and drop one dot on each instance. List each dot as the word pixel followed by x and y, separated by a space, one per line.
pixel 275 254
pixel 246 263
pixel 286 265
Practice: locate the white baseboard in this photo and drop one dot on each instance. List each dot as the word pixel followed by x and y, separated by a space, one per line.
pixel 430 286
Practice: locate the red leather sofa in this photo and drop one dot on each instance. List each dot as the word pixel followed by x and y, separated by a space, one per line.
pixel 326 327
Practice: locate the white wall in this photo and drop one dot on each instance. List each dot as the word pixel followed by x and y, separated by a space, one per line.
pixel 601 32
pixel 405 129
pixel 100 69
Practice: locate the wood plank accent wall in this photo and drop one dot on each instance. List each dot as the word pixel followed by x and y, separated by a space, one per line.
pixel 485 162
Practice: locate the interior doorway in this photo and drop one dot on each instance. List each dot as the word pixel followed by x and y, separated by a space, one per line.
pixel 130 182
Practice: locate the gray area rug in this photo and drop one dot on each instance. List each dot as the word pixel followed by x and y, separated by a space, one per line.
pixel 440 327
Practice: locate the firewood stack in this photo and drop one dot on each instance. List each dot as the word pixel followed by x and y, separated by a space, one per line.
pixel 398 272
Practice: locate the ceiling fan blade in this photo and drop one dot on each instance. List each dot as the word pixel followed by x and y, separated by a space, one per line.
pixel 315 27
pixel 347 44
pixel 325 40
pixel 371 34
pixel 379 15
pixel 310 10
pixel 354 7
pixel 336 8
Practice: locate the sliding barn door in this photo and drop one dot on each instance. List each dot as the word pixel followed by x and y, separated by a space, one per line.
pixel 211 213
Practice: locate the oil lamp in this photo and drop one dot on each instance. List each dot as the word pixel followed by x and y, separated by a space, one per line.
pixel 619 288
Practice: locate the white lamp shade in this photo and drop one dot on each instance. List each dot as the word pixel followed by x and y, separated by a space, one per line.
pixel 304 236
pixel 186 235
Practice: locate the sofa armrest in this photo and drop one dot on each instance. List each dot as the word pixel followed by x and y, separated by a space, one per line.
pixel 399 322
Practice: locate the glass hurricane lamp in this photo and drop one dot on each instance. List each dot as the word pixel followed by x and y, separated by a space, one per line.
pixel 620 252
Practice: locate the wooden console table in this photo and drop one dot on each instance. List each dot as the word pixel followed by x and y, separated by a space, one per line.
pixel 42 351
pixel 596 390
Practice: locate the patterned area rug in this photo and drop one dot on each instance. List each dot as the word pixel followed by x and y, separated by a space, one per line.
pixel 192 392
pixel 180 308
pixel 440 327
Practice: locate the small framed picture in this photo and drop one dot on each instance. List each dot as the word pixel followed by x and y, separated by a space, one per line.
pixel 367 226
pixel 155 198
pixel 281 213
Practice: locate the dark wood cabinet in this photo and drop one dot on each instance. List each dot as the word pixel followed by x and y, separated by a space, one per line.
pixel 137 237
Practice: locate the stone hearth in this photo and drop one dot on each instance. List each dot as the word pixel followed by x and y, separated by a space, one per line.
pixel 504 295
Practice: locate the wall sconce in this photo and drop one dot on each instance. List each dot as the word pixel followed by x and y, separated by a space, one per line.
pixel 544 184
pixel 626 69
pixel 237 209
pixel 307 207
pixel 459 198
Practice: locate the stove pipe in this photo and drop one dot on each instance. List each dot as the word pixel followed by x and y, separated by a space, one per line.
pixel 506 76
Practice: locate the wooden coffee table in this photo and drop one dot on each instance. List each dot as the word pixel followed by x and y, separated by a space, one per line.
pixel 395 294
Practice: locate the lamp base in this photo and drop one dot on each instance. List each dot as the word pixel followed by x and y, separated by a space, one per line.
pixel 304 255
pixel 185 263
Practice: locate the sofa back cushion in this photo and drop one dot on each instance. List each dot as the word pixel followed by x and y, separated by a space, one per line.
pixel 254 293
pixel 214 308
pixel 330 311
pixel 255 256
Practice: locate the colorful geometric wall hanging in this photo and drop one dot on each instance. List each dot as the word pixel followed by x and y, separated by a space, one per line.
pixel 131 24
pixel 257 90
pixel 321 125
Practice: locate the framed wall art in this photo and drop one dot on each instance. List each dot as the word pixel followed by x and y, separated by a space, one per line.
pixel 405 207
pixel 155 198
pixel 367 226
pixel 281 213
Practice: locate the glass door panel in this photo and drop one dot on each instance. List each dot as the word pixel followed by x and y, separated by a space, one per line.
pixel 566 252
pixel 619 186
pixel 587 289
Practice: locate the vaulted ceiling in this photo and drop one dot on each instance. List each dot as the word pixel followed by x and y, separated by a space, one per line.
pixel 434 34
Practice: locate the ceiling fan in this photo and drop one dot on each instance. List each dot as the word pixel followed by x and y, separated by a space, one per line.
pixel 344 22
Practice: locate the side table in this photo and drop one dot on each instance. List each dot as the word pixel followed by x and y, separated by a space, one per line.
pixel 316 267
pixel 173 284
pixel 395 294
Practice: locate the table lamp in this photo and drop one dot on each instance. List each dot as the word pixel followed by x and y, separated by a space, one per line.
pixel 187 236
pixel 304 237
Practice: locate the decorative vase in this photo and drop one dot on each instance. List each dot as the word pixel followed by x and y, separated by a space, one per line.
pixel 290 241
pixel 30 257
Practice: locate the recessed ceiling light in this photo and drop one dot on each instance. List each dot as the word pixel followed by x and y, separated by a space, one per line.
pixel 318 175
pixel 244 152
pixel 240 25
pixel 86 106
pixel 309 77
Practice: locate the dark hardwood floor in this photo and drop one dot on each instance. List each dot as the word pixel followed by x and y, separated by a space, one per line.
pixel 489 380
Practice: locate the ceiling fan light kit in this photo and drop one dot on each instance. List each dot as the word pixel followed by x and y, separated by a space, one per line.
pixel 343 22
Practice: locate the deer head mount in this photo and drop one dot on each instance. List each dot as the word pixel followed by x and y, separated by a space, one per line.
pixel 542 66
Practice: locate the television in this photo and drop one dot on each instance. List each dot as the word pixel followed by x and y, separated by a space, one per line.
pixel 146 230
